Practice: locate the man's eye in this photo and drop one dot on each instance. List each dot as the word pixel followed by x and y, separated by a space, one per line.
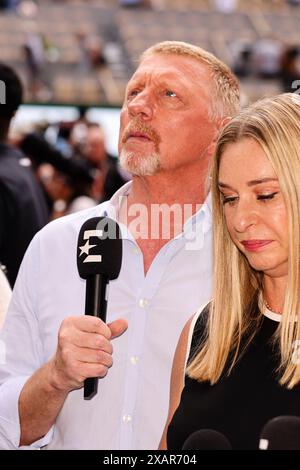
pixel 132 93
pixel 171 93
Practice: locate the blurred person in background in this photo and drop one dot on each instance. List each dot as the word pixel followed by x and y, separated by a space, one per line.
pixel 108 176
pixel 91 51
pixel 79 172
pixel 266 56
pixel 290 69
pixel 66 180
pixel 35 61
pixel 23 209
pixel 67 193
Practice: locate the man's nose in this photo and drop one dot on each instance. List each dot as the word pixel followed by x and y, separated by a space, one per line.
pixel 245 216
pixel 141 105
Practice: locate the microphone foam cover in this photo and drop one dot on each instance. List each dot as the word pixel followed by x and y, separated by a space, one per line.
pixel 206 439
pixel 99 249
pixel 281 433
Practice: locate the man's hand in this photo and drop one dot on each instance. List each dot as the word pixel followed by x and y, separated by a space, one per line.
pixel 84 350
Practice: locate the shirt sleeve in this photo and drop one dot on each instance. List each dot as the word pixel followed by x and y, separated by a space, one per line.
pixel 5 296
pixel 21 351
pixel 7 213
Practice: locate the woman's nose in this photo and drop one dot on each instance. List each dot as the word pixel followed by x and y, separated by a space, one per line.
pixel 245 215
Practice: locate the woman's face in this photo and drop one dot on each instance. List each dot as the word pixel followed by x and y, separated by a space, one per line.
pixel 254 208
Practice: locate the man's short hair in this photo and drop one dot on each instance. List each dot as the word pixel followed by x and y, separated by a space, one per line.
pixel 13 91
pixel 227 96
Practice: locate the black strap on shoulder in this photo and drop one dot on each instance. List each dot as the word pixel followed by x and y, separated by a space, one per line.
pixel 199 330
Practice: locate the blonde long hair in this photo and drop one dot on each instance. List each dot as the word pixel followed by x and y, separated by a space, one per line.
pixel 275 124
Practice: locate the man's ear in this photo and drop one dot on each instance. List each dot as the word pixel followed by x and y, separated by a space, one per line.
pixel 211 148
pixel 224 121
pixel 220 123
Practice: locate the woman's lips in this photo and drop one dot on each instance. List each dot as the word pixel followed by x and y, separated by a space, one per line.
pixel 255 245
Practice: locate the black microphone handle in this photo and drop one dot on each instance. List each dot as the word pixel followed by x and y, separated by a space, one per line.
pixel 96 305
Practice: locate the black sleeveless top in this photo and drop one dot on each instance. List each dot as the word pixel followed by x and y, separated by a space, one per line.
pixel 238 405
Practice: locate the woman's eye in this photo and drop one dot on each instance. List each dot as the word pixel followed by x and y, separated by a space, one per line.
pixel 264 197
pixel 229 199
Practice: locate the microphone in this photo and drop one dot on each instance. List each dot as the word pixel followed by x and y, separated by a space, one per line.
pixel 206 439
pixel 281 433
pixel 99 259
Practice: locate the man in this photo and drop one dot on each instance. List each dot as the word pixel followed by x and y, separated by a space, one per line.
pixel 107 175
pixel 23 208
pixel 175 104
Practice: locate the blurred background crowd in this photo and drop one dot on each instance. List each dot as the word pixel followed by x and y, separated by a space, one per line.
pixel 81 53
pixel 71 51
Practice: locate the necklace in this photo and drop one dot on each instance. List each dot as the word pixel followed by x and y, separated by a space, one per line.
pixel 270 308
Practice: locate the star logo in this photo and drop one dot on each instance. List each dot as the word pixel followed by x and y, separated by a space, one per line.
pixel 86 248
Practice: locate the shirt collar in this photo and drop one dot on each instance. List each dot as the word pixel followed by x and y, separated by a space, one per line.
pixel 194 228
pixel 202 219
pixel 111 209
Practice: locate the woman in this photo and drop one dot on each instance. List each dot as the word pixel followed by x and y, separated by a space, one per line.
pixel 243 349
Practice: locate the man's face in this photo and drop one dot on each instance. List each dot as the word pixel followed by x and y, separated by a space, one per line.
pixel 94 149
pixel 165 119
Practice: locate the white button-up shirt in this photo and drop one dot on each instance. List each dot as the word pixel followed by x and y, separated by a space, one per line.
pixel 130 408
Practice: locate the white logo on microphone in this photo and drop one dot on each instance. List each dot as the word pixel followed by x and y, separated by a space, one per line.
pixel 86 247
pixel 263 444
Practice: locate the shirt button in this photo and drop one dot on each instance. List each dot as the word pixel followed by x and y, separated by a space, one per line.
pixel 126 419
pixel 134 360
pixel 143 303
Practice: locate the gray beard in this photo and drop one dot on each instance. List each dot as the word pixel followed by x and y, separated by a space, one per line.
pixel 140 165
